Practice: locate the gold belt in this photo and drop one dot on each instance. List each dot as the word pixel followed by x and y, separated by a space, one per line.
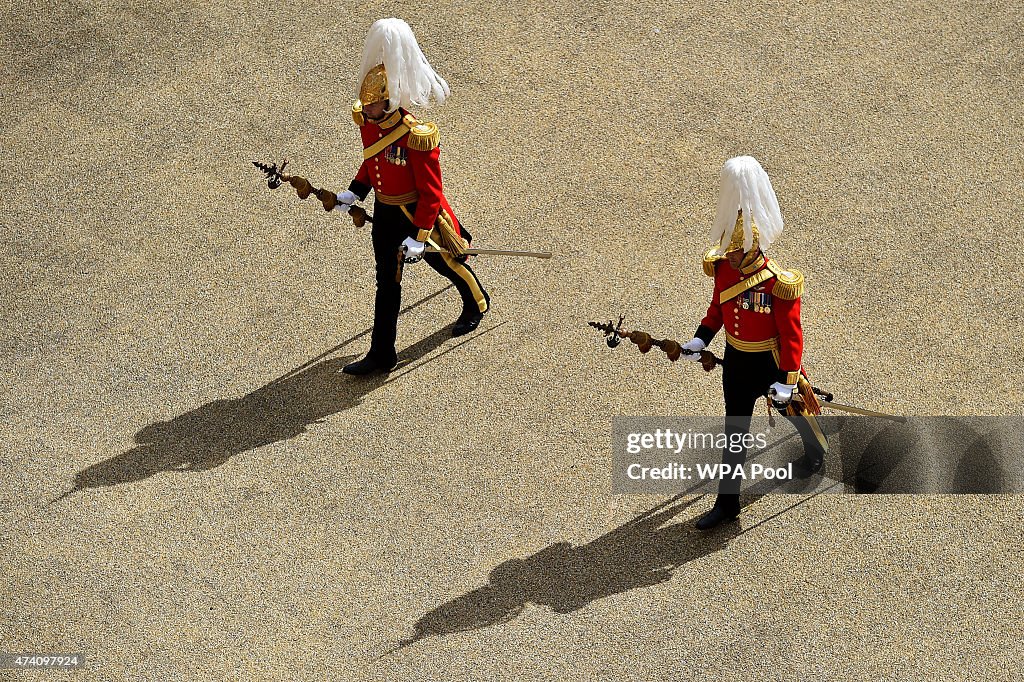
pixel 752 346
pixel 397 199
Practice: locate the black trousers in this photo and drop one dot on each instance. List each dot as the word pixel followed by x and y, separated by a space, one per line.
pixel 390 228
pixel 746 378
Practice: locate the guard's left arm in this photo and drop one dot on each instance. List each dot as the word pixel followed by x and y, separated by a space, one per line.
pixel 425 164
pixel 791 337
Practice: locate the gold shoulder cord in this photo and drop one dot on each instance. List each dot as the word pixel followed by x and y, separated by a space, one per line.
pixel 394 136
pixel 749 283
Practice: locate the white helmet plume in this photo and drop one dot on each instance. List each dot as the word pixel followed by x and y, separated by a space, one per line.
pixel 411 79
pixel 745 185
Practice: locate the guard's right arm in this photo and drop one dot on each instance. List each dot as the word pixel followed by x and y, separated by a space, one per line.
pixel 362 183
pixel 712 321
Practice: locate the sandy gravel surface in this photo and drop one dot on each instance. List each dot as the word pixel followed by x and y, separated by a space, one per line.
pixel 173 332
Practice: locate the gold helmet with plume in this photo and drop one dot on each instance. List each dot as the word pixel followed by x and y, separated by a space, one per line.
pixel 748 211
pixel 395 69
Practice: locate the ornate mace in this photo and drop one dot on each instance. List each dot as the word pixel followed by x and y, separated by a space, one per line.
pixel 304 188
pixel 615 333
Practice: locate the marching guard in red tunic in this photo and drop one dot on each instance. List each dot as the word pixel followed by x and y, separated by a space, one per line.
pixel 757 303
pixel 401 165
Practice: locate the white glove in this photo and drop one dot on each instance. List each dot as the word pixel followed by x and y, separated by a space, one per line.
pixel 781 393
pixel 345 200
pixel 413 250
pixel 694 346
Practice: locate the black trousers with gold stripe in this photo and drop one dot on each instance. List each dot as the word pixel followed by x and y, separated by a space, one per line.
pixel 390 228
pixel 746 378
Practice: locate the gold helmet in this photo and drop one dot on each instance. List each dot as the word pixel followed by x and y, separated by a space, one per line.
pixel 736 242
pixel 375 86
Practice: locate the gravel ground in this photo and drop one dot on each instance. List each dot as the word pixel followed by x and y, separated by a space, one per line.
pixel 240 510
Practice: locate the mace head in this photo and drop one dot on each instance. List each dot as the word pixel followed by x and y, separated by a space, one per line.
pixel 272 171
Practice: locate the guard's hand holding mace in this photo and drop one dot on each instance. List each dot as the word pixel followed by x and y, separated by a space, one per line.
pixel 615 333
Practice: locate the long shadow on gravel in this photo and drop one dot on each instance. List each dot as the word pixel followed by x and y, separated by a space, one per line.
pixel 210 435
pixel 565 578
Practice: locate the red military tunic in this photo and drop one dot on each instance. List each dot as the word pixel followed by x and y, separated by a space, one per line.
pixel 759 307
pixel 404 171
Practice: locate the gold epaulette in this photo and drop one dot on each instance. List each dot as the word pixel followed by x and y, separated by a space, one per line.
pixel 422 136
pixel 710 259
pixel 789 284
pixel 357 113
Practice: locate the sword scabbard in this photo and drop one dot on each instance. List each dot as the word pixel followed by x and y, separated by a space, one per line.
pixel 497 252
pixel 850 409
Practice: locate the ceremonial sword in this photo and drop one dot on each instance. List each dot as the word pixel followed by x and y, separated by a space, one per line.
pixel 493 252
pixel 826 401
pixel 360 217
